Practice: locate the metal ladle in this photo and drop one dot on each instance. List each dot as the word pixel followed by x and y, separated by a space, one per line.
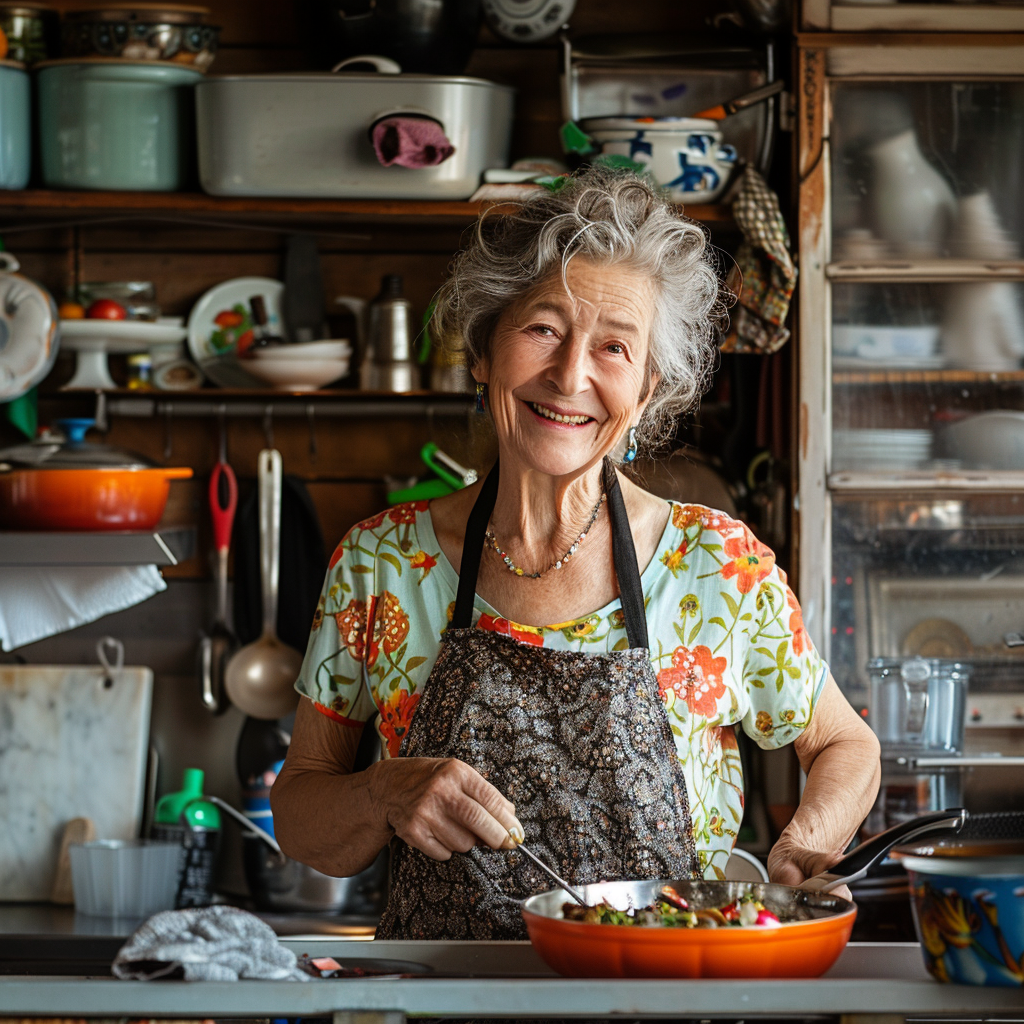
pixel 260 678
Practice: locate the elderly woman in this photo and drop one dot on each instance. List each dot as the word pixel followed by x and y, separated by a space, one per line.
pixel 556 650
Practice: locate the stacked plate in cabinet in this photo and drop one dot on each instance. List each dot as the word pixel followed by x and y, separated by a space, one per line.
pixel 883 449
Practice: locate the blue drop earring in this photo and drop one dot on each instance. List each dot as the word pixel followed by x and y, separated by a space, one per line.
pixel 481 397
pixel 631 447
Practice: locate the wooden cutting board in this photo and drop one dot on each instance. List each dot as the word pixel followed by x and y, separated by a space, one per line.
pixel 70 747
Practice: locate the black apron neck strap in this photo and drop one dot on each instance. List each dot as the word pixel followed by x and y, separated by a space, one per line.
pixel 623 553
pixel 627 572
pixel 472 549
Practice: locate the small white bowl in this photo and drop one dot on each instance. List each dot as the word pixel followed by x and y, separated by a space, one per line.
pixel 987 440
pixel 334 349
pixel 289 374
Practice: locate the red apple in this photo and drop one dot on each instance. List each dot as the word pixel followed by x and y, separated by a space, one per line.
pixel 106 309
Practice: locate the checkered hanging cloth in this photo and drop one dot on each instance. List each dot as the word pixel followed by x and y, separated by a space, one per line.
pixel 764 275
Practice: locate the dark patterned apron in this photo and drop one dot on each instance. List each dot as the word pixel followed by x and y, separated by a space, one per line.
pixel 580 743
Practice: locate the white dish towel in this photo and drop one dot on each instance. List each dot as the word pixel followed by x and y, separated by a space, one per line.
pixel 36 601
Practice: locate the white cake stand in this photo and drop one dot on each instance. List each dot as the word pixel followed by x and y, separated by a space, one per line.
pixel 93 340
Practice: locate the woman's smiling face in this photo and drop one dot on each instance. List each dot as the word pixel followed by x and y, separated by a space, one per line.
pixel 567 374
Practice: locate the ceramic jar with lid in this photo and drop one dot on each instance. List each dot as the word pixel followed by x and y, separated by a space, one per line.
pixel 117 124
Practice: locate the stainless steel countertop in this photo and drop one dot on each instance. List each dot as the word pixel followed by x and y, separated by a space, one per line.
pixel 869 979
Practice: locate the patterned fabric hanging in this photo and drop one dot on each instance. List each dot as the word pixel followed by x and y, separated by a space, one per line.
pixel 764 276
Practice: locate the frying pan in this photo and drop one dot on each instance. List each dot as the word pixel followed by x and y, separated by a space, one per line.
pixel 815 931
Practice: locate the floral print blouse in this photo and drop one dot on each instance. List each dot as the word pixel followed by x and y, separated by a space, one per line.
pixel 728 645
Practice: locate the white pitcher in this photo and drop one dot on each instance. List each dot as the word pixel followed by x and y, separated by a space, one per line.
pixel 911 204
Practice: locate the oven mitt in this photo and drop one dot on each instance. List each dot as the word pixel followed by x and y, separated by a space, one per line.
pixel 764 276
pixel 410 142
pixel 207 944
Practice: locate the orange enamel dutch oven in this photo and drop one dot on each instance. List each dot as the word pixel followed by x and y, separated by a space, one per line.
pixel 54 484
pixel 816 925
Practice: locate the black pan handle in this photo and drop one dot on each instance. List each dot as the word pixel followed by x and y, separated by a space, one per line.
pixel 856 864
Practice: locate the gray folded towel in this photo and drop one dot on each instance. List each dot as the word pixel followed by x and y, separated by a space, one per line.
pixel 206 944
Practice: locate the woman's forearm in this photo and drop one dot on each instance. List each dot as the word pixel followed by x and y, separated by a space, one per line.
pixel 328 821
pixel 840 755
pixel 841 786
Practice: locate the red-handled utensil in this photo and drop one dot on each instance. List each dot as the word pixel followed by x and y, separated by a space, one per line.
pixel 217 646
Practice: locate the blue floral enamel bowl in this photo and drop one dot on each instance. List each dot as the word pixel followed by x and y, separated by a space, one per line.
pixel 968 901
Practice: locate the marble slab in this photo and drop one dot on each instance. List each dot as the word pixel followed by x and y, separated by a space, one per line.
pixel 69 747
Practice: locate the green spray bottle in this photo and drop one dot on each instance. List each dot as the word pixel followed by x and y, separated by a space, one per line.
pixel 187 818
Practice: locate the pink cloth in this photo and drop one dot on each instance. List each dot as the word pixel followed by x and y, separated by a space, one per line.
pixel 410 142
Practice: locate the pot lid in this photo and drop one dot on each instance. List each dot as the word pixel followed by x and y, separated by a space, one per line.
pixel 71 452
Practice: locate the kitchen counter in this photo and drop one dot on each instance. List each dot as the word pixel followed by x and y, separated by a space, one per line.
pixel 40 938
pixel 481 979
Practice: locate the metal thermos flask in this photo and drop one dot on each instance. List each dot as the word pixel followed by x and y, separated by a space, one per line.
pixel 390 362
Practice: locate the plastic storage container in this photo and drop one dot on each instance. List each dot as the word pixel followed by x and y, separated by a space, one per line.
pixel 918 704
pixel 116 124
pixel 124 878
pixel 308 135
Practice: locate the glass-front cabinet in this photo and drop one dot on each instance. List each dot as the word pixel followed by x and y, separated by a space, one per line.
pixel 911 16
pixel 911 334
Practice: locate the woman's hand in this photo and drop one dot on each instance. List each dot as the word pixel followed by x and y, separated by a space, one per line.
pixel 440 805
pixel 840 755
pixel 791 864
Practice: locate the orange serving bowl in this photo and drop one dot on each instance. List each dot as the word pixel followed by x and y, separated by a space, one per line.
pixel 85 499
pixel 801 948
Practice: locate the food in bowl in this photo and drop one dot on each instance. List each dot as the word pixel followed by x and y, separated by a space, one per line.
pixel 968 904
pixel 670 910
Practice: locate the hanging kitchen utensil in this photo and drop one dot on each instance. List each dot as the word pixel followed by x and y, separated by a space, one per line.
pixel 217 646
pixel 260 678
pixel 303 566
pixel 29 331
pixel 722 110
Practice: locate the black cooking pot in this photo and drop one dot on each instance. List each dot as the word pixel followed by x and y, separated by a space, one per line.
pixel 428 36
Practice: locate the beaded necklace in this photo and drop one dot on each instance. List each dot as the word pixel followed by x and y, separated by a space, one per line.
pixel 512 567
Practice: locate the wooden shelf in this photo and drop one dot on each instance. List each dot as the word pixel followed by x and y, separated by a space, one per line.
pixel 267 394
pixel 898 269
pixel 879 377
pixel 910 480
pixel 85 207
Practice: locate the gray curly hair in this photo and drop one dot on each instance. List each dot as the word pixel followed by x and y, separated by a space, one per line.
pixel 609 216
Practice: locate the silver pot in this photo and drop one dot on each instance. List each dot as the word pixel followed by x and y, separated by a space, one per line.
pixel 919 703
pixel 279 883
